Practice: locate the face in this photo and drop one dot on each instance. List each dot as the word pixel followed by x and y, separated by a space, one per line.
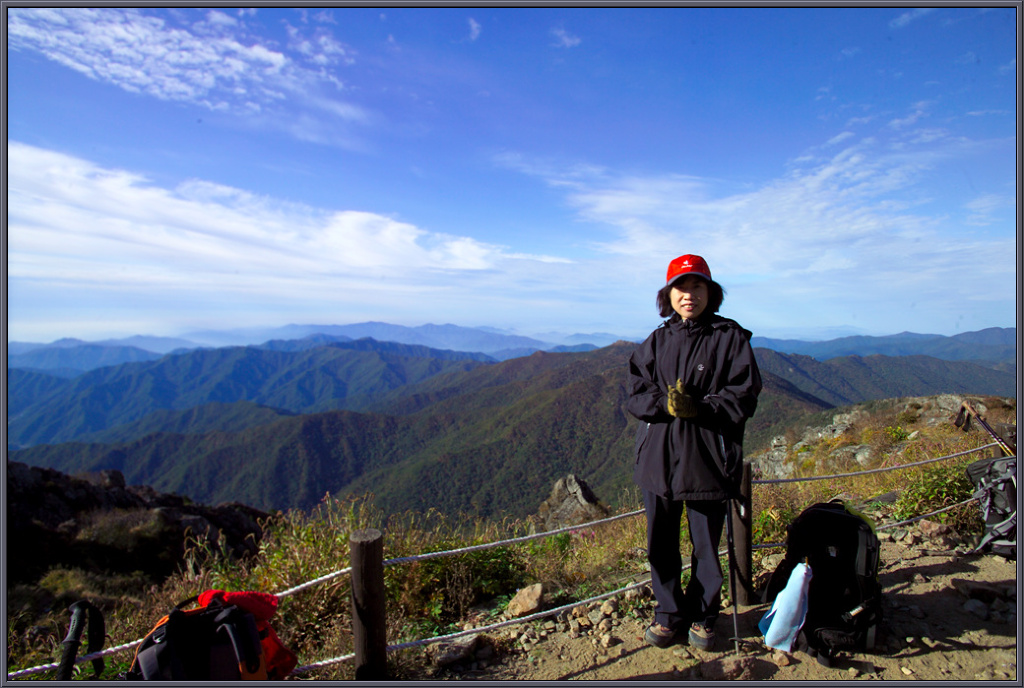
pixel 689 297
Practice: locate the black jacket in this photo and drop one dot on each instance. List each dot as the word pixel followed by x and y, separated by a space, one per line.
pixel 700 457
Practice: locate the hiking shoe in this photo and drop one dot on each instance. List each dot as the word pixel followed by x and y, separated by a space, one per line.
pixel 660 636
pixel 701 637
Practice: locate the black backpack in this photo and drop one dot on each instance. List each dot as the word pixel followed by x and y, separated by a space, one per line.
pixel 844 598
pixel 995 484
pixel 217 642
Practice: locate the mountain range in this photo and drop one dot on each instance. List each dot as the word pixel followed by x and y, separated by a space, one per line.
pixel 71 357
pixel 279 424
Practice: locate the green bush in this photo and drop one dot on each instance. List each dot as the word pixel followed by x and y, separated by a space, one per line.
pixel 937 488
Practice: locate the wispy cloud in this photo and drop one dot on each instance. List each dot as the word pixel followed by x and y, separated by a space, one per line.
pixel 967 58
pixel 564 39
pixel 833 236
pixel 919 110
pixel 474 29
pixel 909 17
pixel 210 62
pixel 983 210
pixel 839 138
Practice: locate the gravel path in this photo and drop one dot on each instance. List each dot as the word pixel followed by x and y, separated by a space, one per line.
pixel 946 616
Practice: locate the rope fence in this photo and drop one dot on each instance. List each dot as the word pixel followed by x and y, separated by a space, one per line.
pixel 884 469
pixel 519 540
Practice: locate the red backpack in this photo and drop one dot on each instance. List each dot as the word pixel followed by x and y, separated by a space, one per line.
pixel 226 637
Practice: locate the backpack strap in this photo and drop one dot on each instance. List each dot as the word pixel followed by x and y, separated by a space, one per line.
pixel 240 627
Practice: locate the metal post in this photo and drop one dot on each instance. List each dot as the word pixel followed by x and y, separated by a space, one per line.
pixel 368 615
pixel 742 521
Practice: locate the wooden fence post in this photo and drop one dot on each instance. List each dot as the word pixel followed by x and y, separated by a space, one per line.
pixel 366 555
pixel 744 553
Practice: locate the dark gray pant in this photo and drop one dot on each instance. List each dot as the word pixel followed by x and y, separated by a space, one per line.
pixel 701 601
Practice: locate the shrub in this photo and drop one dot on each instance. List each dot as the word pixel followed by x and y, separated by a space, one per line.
pixel 937 488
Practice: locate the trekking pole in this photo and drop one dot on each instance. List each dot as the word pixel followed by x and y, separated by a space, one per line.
pixel 731 546
pixel 963 418
pixel 73 640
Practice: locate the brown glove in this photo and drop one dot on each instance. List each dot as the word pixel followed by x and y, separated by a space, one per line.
pixel 681 404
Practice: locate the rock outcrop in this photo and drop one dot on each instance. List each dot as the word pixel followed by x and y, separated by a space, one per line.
pixel 571 503
pixel 98 523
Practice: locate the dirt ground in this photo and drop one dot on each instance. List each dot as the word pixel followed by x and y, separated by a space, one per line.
pixel 927 634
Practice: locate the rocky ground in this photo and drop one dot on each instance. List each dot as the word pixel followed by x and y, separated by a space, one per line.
pixel 948 615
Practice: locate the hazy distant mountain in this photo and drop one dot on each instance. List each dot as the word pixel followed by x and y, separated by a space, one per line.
pixel 160 345
pixel 995 344
pixel 80 357
pixel 451 337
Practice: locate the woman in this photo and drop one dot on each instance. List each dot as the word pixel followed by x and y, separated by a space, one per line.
pixel 693 383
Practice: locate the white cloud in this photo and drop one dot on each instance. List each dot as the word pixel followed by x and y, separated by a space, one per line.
pixel 474 29
pixel 75 224
pixel 908 17
pixel 564 39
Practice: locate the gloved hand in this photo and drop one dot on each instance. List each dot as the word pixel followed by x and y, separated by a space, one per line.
pixel 681 404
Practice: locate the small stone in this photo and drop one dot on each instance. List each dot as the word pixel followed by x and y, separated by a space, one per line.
pixel 920 578
pixel 978 608
pixel 527 601
pixel 781 658
pixel 907 670
pixel 853 671
pixel 931 529
pixel 453 651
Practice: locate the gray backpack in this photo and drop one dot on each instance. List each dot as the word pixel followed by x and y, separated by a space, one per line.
pixel 995 485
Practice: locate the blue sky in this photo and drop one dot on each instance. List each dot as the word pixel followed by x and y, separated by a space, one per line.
pixel 842 170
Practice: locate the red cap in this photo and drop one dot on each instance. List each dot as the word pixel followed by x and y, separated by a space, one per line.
pixel 687 265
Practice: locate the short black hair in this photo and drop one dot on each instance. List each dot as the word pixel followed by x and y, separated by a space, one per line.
pixel 716 294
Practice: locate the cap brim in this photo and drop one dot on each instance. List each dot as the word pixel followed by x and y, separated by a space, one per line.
pixel 687 274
